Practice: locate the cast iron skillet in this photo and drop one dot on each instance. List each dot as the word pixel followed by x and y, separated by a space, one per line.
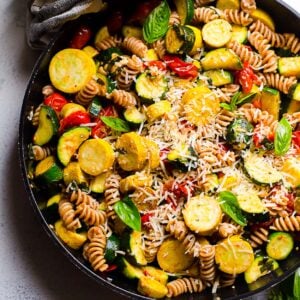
pixel 287 20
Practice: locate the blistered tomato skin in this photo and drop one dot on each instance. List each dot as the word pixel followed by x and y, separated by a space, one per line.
pixel 56 101
pixel 81 37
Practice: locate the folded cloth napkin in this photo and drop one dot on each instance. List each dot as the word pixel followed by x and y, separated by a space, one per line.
pixel 45 17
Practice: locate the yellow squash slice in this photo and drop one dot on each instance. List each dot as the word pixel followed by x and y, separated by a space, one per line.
pixel 202 214
pixel 71 238
pixel 199 105
pixel 234 255
pixel 158 109
pixel 172 256
pixel 132 151
pixel 135 181
pixel 153 153
pixel 95 156
pixel 264 17
pixel 71 69
pixel 291 171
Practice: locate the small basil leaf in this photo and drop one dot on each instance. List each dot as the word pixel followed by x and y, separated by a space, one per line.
pixel 128 213
pixel 230 207
pixel 283 137
pixel 157 22
pixel 116 124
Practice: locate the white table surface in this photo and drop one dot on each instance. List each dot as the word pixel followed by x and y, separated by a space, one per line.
pixel 31 267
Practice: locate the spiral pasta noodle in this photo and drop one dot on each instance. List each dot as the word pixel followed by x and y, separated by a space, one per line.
pixel 87 93
pixel 36 115
pixel 278 81
pixel 112 193
pixel 289 223
pixel 227 229
pixel 68 215
pixel 248 6
pixel 292 42
pixel 152 240
pixel 226 279
pixel 159 47
pixel 205 15
pixel 207 263
pixel 179 230
pixel 122 98
pixel 135 45
pixel 258 237
pixel 269 57
pixel 111 41
pixel 94 250
pixel 128 74
pixel 237 17
pixel 245 54
pixel 90 215
pixel 275 39
pixel 174 18
pixel 184 285
pixel 39 153
pixel 78 197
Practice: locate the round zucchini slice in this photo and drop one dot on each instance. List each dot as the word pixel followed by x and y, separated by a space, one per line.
pixel 112 245
pixel 202 214
pixel 259 169
pixel 217 33
pixel 280 245
pixel 71 69
pixel 95 156
pixel 234 255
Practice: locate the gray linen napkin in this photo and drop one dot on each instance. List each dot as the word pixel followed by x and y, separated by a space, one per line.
pixel 45 17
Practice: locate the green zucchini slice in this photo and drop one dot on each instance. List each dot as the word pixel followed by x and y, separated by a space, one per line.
pixel 179 39
pixel 239 33
pixel 70 141
pixel 260 170
pixel 150 88
pixel 270 101
pixel 47 127
pixel 261 266
pixel 128 270
pixel 280 245
pixel 294 92
pixel 48 171
pixel 185 10
pixel 112 245
pixel 219 77
pixel 221 58
pixel 134 116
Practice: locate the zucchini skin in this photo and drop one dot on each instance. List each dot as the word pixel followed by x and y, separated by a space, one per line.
pixel 280 245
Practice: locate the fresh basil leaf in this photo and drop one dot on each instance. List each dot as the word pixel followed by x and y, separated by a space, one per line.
pixel 283 137
pixel 128 213
pixel 245 99
pixel 230 207
pixel 157 22
pixel 116 124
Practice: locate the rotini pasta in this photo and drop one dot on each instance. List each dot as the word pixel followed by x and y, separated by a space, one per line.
pixel 112 41
pixel 87 93
pixel 258 237
pixel 112 193
pixel 68 215
pixel 39 153
pixel 48 90
pixel 123 98
pixel 184 285
pixel 291 223
pixel 292 42
pixel 199 3
pixel 248 6
pixel 205 15
pixel 207 263
pixel 237 17
pixel 135 46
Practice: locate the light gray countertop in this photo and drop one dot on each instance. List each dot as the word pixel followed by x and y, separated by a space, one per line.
pixel 32 267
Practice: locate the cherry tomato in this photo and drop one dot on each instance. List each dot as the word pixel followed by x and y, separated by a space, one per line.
pixel 156 63
pixel 75 119
pixel 56 101
pixel 181 68
pixel 142 11
pixel 115 22
pixel 81 37
pixel 296 139
pixel 111 268
pixel 246 78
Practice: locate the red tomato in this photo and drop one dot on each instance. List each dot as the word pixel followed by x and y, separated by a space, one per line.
pixel 181 68
pixel 111 268
pixel 75 119
pixel 56 101
pixel 296 139
pixel 146 218
pixel 115 22
pixel 156 63
pixel 81 37
pixel 246 78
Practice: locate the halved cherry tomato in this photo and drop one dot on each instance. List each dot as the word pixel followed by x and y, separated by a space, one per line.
pixel 156 63
pixel 81 37
pixel 296 139
pixel 56 101
pixel 246 77
pixel 181 68
pixel 75 119
pixel 115 22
